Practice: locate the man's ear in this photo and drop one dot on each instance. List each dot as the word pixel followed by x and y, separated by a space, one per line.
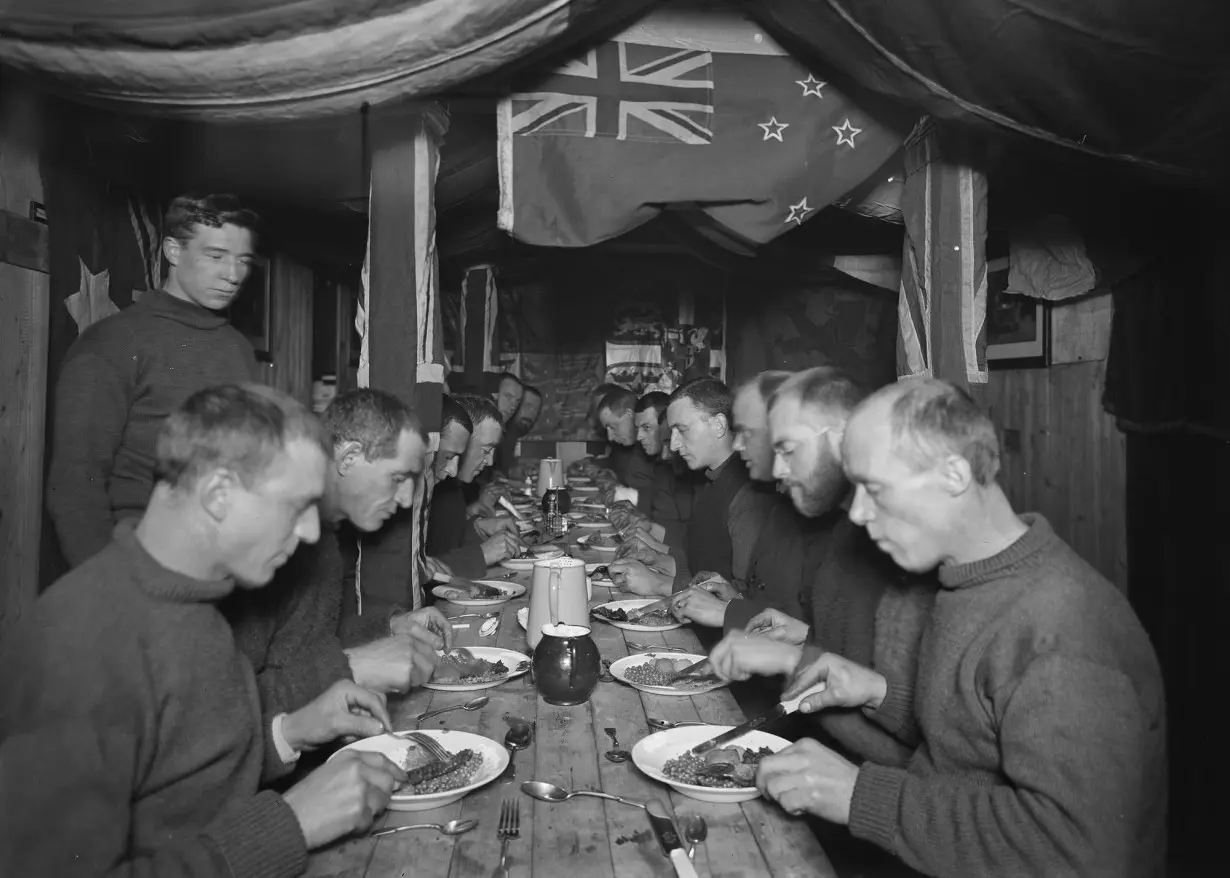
pixel 955 474
pixel 346 455
pixel 834 437
pixel 216 491
pixel 721 426
pixel 172 249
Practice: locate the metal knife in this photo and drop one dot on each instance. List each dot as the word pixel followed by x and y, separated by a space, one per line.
pixel 641 612
pixel 663 824
pixel 775 712
pixel 697 669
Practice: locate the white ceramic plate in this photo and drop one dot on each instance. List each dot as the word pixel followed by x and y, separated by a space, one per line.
pixel 546 553
pixel 583 541
pixel 511 590
pixel 586 489
pixel 495 760
pixel 651 753
pixel 619 670
pixel 583 506
pixel 592 525
pixel 510 658
pixel 579 480
pixel 523 617
pixel 518 564
pixel 636 604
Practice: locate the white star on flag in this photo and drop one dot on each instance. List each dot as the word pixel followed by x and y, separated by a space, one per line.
pixel 846 133
pixel 92 301
pixel 777 129
pixel 811 86
pixel 799 212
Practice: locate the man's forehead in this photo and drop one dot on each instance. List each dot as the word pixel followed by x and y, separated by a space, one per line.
pixel 488 431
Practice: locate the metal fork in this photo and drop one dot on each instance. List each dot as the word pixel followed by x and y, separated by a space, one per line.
pixel 434 750
pixel 509 828
pixel 641 647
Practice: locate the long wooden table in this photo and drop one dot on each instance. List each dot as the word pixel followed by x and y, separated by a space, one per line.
pixel 585 836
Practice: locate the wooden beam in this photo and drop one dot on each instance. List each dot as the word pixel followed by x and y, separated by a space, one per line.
pixel 25 294
pixel 402 339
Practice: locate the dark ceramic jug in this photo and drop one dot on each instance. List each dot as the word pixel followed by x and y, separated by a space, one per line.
pixel 566 664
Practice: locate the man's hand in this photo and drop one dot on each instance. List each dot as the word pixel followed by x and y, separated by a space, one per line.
pixel 637 551
pixel 489 527
pixel 848 684
pixel 700 606
pixel 345 709
pixel 808 777
pixel 343 796
pixel 650 541
pixel 716 584
pixel 435 570
pixel 740 656
pixel 392 664
pixel 491 494
pixel 635 577
pixel 776 625
pixel 502 545
pixel 426 624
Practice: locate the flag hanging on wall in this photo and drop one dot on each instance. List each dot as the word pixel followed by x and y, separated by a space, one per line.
pixel 660 116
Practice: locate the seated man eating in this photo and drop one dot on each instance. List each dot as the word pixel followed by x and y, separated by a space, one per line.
pixel 131 734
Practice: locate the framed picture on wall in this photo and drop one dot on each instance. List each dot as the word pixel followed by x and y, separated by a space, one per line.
pixel 1018 327
pixel 251 312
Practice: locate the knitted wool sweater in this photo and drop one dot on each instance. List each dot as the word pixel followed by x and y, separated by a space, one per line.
pixel 1041 720
pixel 131 741
pixel 120 381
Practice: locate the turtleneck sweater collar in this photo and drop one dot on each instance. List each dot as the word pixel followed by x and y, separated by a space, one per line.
pixel 1031 550
pixel 159 582
pixel 163 304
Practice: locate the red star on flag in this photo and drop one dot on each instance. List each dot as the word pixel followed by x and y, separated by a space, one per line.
pixel 846 133
pixel 811 86
pixel 773 129
pixel 799 212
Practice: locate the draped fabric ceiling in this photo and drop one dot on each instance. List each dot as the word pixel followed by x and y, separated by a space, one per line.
pixel 1146 83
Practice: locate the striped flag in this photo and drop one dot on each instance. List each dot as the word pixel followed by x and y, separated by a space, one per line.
pixel 942 305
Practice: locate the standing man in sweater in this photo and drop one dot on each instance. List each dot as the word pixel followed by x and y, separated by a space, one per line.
pixel 127 373
pixel 1038 703
pixel 306 631
pixel 131 734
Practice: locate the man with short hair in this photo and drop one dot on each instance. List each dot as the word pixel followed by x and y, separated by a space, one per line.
pixel 468 547
pixel 638 474
pixel 520 425
pixel 128 372
pixel 727 513
pixel 1038 701
pixel 308 630
pixel 131 735
pixel 508 394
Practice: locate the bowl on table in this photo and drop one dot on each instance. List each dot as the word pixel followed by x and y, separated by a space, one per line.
pixel 395 747
pixel 651 753
pixel 509 591
pixel 639 670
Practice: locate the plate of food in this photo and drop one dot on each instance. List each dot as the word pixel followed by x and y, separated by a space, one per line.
pixel 649 671
pixel 664 756
pixel 471 761
pixel 585 489
pixel 599 542
pixel 616 613
pixel 478 593
pixel 476 667
pixel 589 506
pixel 599 574
pixel 588 519
pixel 579 480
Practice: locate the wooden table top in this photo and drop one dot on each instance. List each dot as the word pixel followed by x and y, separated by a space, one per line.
pixel 586 836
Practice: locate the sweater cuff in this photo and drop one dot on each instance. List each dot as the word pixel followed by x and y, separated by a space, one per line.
pixel 873 807
pixel 896 710
pixel 261 838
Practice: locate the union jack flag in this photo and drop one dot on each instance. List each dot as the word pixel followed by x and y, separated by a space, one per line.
pixel 624 91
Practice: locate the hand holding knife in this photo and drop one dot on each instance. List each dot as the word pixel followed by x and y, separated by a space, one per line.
pixel 783 709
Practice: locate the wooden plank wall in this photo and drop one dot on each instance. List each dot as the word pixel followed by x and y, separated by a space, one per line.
pixel 1063 455
pixel 24 303
pixel 291 322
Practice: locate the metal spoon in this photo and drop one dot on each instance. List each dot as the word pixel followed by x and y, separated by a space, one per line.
pixel 473 704
pixel 549 792
pixel 616 753
pixel 662 725
pixel 520 735
pixel 453 827
pixel 695 830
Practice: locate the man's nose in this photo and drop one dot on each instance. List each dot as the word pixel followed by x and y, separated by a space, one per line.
pixel 780 470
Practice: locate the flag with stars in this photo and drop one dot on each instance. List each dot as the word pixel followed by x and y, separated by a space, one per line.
pixel 733 128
